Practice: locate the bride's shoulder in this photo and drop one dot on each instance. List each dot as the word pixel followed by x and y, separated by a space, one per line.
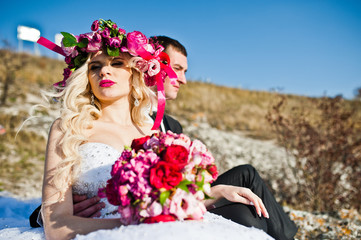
pixel 55 129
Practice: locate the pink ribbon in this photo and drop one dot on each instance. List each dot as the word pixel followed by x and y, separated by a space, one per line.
pixel 160 56
pixel 50 45
pixel 161 103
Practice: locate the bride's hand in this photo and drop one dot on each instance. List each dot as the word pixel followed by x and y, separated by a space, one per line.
pixel 241 195
pixel 87 207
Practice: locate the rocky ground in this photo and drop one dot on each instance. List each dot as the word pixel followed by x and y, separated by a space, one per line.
pixel 234 148
pixel 231 149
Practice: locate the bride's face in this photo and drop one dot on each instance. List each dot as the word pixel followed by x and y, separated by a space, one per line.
pixel 109 77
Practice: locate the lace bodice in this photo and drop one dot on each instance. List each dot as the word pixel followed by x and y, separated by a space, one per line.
pixel 98 159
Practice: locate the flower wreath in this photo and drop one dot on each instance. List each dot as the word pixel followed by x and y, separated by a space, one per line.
pixel 149 57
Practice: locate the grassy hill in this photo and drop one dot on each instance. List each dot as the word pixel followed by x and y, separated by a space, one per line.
pixel 222 107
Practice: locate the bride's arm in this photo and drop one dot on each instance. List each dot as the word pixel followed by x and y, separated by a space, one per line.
pixel 59 222
pixel 236 194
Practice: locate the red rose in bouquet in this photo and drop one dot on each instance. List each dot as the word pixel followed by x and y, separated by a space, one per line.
pixel 213 171
pixel 165 175
pixel 177 155
pixel 138 143
pixel 160 218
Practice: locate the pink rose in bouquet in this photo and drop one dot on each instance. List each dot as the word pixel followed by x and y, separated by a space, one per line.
pixel 163 177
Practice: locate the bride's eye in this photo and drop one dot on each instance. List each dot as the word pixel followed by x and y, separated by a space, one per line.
pixel 94 67
pixel 118 63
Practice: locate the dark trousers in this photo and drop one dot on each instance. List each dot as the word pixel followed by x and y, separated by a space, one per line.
pixel 279 225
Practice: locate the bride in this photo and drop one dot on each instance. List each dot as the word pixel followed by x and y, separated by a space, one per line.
pixel 105 104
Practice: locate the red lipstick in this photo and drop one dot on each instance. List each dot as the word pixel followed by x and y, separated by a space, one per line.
pixel 106 83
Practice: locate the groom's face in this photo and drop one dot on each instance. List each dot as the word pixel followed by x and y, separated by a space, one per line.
pixel 180 66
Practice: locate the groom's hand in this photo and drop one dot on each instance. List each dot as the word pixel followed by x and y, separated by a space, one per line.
pixel 87 207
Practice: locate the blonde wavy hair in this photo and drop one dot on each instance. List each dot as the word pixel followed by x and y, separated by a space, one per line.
pixel 78 114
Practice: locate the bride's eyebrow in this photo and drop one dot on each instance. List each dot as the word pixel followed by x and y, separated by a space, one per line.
pixel 94 62
pixel 118 58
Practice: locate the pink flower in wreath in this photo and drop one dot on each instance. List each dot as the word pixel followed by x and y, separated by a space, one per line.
pixel 95 25
pixel 149 81
pixel 114 42
pixel 95 43
pixel 153 67
pixel 140 63
pixel 136 43
pixel 67 72
pixel 70 51
pixel 121 31
pixel 67 60
pixel 105 33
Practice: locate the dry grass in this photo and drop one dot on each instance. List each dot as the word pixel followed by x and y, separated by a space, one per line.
pixel 22 157
pixel 229 108
pixel 27 73
pixel 224 108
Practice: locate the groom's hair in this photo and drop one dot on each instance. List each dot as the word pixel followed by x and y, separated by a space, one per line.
pixel 170 42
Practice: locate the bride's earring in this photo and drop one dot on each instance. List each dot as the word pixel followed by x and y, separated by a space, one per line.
pixel 136 102
pixel 92 98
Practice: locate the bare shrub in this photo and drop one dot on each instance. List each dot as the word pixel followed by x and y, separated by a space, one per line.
pixel 326 144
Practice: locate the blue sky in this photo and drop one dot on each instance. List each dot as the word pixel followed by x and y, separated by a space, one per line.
pixel 305 47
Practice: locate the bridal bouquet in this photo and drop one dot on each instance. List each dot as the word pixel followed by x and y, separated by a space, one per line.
pixel 163 177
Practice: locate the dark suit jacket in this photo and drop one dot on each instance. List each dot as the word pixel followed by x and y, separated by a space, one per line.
pixel 169 124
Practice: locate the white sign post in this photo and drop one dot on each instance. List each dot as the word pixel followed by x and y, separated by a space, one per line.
pixel 28 34
pixel 58 39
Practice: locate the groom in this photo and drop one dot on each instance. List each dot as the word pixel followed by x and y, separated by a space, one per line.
pixel 278 225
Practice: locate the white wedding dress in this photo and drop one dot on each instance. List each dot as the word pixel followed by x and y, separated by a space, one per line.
pixel 98 159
